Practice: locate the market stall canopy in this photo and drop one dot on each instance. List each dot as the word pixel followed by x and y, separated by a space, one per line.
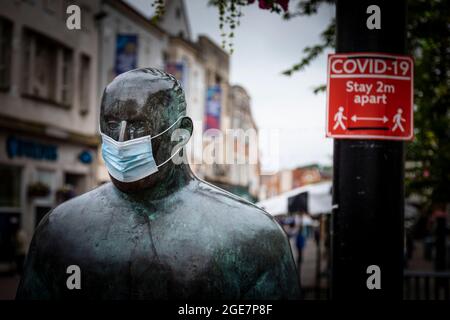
pixel 313 199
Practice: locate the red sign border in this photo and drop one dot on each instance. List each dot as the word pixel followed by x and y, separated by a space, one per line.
pixel 370 54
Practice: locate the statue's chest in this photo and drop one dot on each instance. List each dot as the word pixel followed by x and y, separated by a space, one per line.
pixel 152 261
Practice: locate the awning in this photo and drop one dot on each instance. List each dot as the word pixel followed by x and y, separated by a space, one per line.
pixel 313 199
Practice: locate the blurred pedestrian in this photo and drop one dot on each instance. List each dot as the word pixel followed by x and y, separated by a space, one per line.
pixel 288 224
pixel 300 244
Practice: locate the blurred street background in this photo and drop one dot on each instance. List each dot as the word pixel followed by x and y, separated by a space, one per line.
pixel 52 78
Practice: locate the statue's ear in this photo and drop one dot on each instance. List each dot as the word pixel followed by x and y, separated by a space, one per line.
pixel 184 132
pixel 187 124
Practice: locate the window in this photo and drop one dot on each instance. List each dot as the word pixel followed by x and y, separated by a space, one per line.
pixel 10 186
pixel 66 71
pixel 178 13
pixel 5 53
pixel 165 57
pixel 85 83
pixel 47 69
pixel 218 80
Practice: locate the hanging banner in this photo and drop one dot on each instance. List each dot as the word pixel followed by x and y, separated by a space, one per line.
pixel 370 96
pixel 126 53
pixel 213 108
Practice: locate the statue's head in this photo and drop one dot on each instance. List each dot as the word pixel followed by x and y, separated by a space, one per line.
pixel 146 102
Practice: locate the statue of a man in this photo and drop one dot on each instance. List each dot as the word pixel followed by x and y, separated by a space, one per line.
pixel 156 231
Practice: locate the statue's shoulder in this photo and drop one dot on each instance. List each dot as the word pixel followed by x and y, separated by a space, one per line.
pixel 241 224
pixel 235 211
pixel 77 209
pixel 97 197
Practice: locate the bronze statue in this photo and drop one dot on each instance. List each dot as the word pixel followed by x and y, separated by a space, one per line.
pixel 168 235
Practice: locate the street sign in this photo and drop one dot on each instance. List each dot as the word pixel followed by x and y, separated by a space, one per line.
pixel 370 96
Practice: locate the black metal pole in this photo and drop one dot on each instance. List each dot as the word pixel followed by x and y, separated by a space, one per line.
pixel 319 258
pixel 368 181
pixel 440 258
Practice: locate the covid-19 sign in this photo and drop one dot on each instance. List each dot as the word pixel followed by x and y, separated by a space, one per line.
pixel 370 96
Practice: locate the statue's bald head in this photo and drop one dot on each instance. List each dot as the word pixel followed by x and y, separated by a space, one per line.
pixel 147 99
pixel 145 102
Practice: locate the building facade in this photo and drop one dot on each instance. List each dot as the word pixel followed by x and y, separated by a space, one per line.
pixel 175 20
pixel 216 115
pixel 245 170
pixel 304 175
pixel 183 60
pixel 288 179
pixel 127 40
pixel 48 123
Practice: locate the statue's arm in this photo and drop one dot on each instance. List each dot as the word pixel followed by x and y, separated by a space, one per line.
pixel 280 279
pixel 35 281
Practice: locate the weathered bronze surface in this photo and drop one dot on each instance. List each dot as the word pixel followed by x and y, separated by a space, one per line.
pixel 167 236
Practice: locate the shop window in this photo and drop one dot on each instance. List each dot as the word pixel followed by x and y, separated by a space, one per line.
pixel 5 53
pixel 10 177
pixel 47 69
pixel 45 179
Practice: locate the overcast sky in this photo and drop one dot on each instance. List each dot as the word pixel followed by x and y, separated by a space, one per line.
pixel 265 45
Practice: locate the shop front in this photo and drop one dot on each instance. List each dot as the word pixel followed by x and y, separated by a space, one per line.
pixel 37 174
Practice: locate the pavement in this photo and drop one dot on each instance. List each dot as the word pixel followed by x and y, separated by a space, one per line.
pixel 308 270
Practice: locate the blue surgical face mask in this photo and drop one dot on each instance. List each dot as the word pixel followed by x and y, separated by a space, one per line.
pixel 131 160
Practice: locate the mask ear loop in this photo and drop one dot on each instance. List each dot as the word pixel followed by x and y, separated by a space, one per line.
pixel 176 152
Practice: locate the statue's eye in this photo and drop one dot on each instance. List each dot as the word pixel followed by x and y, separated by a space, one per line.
pixel 138 127
pixel 113 125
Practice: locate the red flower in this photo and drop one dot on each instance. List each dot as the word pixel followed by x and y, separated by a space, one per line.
pixel 268 4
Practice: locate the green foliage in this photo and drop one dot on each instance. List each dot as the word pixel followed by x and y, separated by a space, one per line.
pixel 159 7
pixel 429 41
pixel 230 12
